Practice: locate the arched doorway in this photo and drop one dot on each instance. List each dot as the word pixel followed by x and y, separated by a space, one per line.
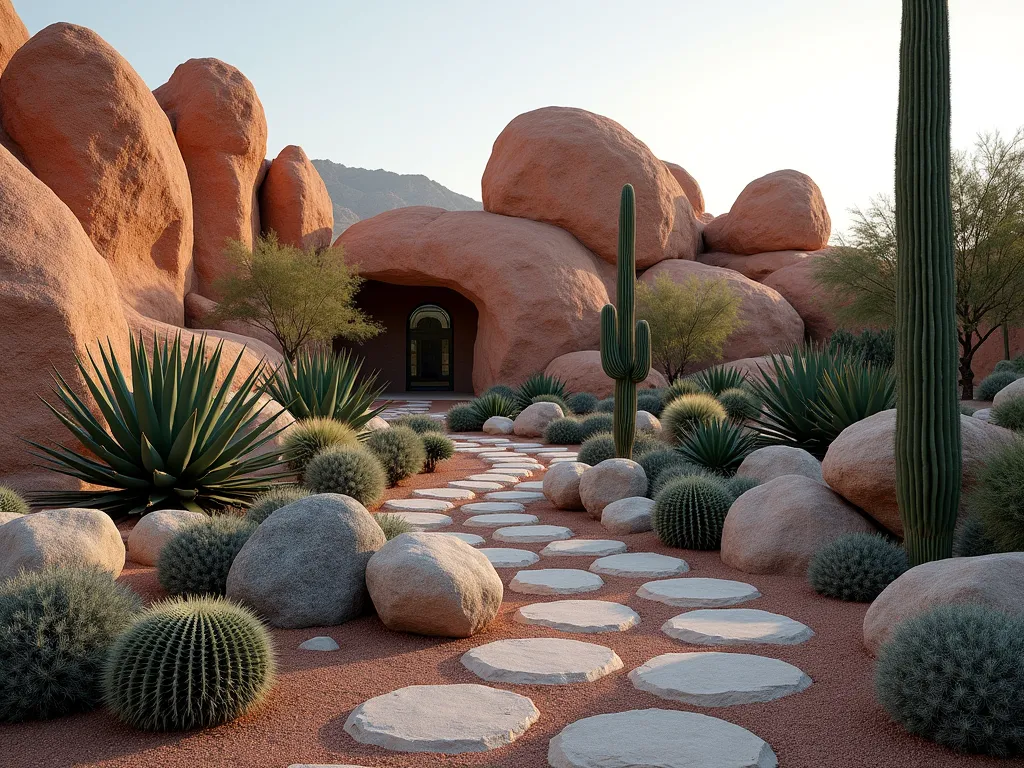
pixel 429 345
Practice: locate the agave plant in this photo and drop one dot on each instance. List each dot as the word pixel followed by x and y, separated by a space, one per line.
pixel 493 404
pixel 174 438
pixel 539 384
pixel 717 379
pixel 327 384
pixel 718 445
pixel 850 393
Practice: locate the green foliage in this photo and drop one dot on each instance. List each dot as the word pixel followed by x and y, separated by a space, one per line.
pixel 175 438
pixel 595 423
pixel 271 501
pixel 689 513
pixel 850 393
pixel 1009 414
pixel 581 403
pixel 997 497
pixel 560 402
pixel 719 446
pixel 995 381
pixel 650 401
pixel 971 539
pixel 310 436
pixel 856 567
pixel 486 406
pixel 739 485
pixel 679 387
pixel 675 472
pixel 437 448
pixel 197 559
pixel 1005 366
pixel 657 461
pixel 188 664
pixel 538 384
pixel 11 502
pixel 399 450
pixel 463 418
pixel 501 389
pixel 56 627
pixel 564 432
pixel 393 525
pixel 597 448
pixel 967 410
pixel 877 348
pixel 298 296
pixel 352 472
pixel 419 423
pixel 682 416
pixel 327 384
pixel 954 676
pixel 717 379
pixel 605 406
pixel 740 403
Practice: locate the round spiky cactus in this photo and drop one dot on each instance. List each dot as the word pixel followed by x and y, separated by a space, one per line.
pixel 677 388
pixel 689 513
pixel 308 437
pixel 739 403
pixel 971 539
pixel 955 675
pixel 682 416
pixel 739 485
pixel 197 559
pixel 595 424
pixel 657 461
pixel 352 472
pixel 399 450
pixel 856 567
pixel 596 449
pixel 187 664
pixel 437 448
pixel 272 500
pixel 419 423
pixel 463 418
pixel 675 472
pixel 581 403
pixel 564 432
pixel 56 627
pixel 11 502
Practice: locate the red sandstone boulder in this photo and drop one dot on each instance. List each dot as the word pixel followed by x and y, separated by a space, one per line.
pixel 538 292
pixel 799 286
pixel 13 33
pixel 783 211
pixel 90 129
pixel 757 266
pixel 294 202
pixel 690 187
pixel 221 131
pixel 770 324
pixel 582 372
pixel 566 167
pixel 199 313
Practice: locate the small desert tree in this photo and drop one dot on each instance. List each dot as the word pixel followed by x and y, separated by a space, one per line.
pixel 301 297
pixel 689 321
pixel 988 251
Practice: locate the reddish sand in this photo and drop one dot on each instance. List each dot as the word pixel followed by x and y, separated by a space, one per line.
pixel 835 723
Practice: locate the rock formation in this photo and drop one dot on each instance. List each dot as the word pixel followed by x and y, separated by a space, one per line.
pixel 294 202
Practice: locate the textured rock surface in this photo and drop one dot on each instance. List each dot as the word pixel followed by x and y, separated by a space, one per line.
pixel 532 534
pixel 90 129
pixel 996 581
pixel 629 515
pixel 698 592
pixel 499 425
pixel 583 548
pixel 773 461
pixel 294 202
pixel 582 372
pixel 735 626
pixel 689 186
pixel 640 564
pixel 647 422
pixel 433 585
pixel 491 507
pixel 305 565
pixel 62 538
pixel 534 419
pixel 756 266
pixel 541 661
pixel 1012 390
pixel 154 530
pixel 799 287
pixel 565 166
pixel 199 313
pixel 609 481
pixel 13 33
pixel 320 643
pixel 555 581
pixel 585 616
pixel 504 557
pixel 417 505
pixel 424 521
pixel 561 484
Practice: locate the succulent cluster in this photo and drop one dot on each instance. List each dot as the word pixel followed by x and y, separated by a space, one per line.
pixel 739 485
pixel 717 445
pixel 971 539
pixel 678 388
pixel 565 431
pixel 353 472
pixel 649 400
pixel 494 404
pixel 418 423
pixel 595 424
pixel 437 447
pixel 740 403
pixel 310 436
pixel 560 402
pixel 1009 414
pixel 683 414
pixel 657 461
pixel 607 405
pixel 581 403
pixel 399 450
pixel 689 513
pixel 197 559
pixel 272 500
pixel 994 382
pixel 997 497
pixel 463 418
pixel 539 384
pixel 674 472
pixel 856 567
pixel 11 502
pixel 718 379
pixel 600 447
pixel 501 389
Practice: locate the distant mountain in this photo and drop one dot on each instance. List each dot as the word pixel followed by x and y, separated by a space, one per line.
pixel 358 193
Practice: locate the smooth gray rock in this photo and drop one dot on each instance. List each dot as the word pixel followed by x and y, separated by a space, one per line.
pixel 541 661
pixel 773 461
pixel 60 538
pixel 561 484
pixel 629 515
pixel 609 481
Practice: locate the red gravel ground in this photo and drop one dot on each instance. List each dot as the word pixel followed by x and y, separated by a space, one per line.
pixel 834 724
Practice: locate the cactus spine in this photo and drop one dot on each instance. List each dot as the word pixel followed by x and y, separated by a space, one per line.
pixel 928 453
pixel 625 343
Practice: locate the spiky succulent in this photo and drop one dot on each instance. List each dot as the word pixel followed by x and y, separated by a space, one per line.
pixel 437 448
pixel 997 497
pixel 539 384
pixel 740 403
pixel 994 382
pixel 56 627
pixel 739 485
pixel 174 438
pixel 308 437
pixel 393 525
pixel 719 446
pixel 600 447
pixel 197 559
pixel 594 424
pixel 1009 414
pixel 399 450
pixel 675 472
pixel 677 388
pixel 856 567
pixel 689 513
pixel 463 418
pixel 971 539
pixel 559 401
pixel 486 406
pixel 649 401
pixel 272 500
pixel 682 416
pixel 566 431
pixel 12 502
pixel 187 664
pixel 419 423
pixel 581 403
pixel 501 389
pixel 351 472
pixel 955 675
pixel 717 379
pixel 657 461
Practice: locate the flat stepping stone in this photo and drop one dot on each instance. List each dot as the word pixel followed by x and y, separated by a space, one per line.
pixel 492 507
pixel 583 548
pixel 493 440
pixel 517 465
pixel 555 581
pixel 418 505
pixel 541 661
pixel 531 485
pixel 698 593
pixel 424 521
pixel 480 449
pixel 735 626
pixel 450 719
pixel 445 494
pixel 476 485
pixel 528 445
pixel 320 643
pixel 658 737
pixel 541 449
pixel 465 444
pixel 583 616
pixel 502 557
pixel 531 534
pixel 552 454
pixel 640 564
pixel 470 538
pixel 515 496
pixel 494 453
pixel 500 471
pixel 499 520
pixel 509 458
pixel 713 679
pixel 564 457
pixel 493 477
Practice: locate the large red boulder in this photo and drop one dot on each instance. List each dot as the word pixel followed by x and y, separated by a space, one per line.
pixel 690 187
pixel 13 33
pixel 89 128
pixel 294 202
pixel 567 166
pixel 221 130
pixel 783 211
pixel 768 323
pixel 200 313
pixel 538 292
pixel 757 266
pixel 798 284
pixel 583 372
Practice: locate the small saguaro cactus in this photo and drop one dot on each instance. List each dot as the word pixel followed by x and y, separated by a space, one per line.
pixel 625 344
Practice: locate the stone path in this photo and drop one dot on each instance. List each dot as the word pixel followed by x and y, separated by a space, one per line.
pixel 555 581
pixel 418 505
pixel 640 564
pixel 479 486
pixel 585 616
pixel 520 496
pixel 446 494
pixel 698 593
pixel 583 548
pixel 541 661
pixel 491 507
pixel 503 557
pixel 470 538
pixel 499 520
pixel 529 534
pixel 735 626
pixel 424 521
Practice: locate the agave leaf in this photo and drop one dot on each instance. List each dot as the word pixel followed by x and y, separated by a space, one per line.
pixel 184 443
pixel 151 458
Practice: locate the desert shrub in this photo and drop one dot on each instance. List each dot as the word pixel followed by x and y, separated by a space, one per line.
pixel 308 437
pixel 486 406
pixel 678 388
pixel 644 443
pixel 187 664
pixel 56 627
pixel 197 559
pixel 419 423
pixel 595 423
pixel 11 502
pixel 581 403
pixel 856 567
pixel 740 484
pixel 399 450
pixel 717 379
pixel 437 448
pixel 272 500
pixel 994 382
pixel 353 472
pixel 997 497
pixel 1004 366
pixel 877 348
pixel 600 447
pixel 657 461
pixel 1009 414
pixel 607 405
pixel 682 415
pixel 740 403
pixel 560 402
pixel 967 410
pixel 718 446
pixel 971 539
pixel 393 525
pixel 649 401
pixel 539 384
pixel 689 513
pixel 954 675
pixel 501 389
pixel 463 418
pixel 564 432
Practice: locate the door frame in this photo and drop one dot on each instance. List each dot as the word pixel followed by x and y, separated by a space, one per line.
pixel 411 335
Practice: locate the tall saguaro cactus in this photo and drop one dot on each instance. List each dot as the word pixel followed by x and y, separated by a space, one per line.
pixel 625 344
pixel 928 452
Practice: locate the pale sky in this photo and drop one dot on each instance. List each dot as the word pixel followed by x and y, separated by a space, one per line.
pixel 731 89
